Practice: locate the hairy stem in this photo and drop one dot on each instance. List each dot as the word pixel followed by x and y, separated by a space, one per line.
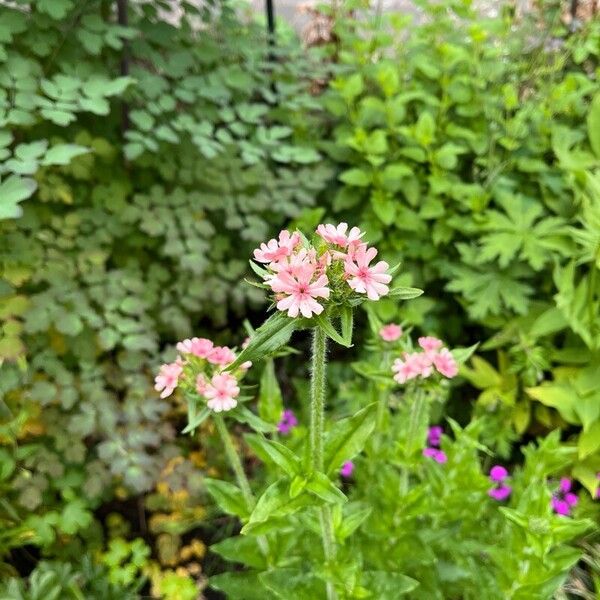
pixel 317 414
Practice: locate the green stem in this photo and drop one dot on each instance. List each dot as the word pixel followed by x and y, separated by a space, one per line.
pixel 317 415
pixel 240 475
pixel 234 461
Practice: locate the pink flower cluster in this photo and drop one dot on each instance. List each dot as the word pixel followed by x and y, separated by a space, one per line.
pixel 303 276
pixel 563 500
pixel 390 332
pixel 500 491
pixel 422 364
pixel 200 367
pixel 434 439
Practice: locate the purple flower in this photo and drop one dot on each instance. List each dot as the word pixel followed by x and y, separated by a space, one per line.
pixel 500 493
pixel 598 490
pixel 347 469
pixel 288 422
pixel 434 436
pixel 563 499
pixel 438 455
pixel 498 473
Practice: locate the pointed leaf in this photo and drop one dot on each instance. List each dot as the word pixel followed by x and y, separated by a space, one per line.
pixel 405 293
pixel 324 322
pixel 228 497
pixel 320 485
pixel 244 415
pixel 274 452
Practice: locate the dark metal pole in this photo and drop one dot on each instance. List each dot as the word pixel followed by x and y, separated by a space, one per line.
pixel 269 9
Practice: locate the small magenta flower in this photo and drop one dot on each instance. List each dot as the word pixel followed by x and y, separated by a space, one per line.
pixel 221 392
pixel 501 491
pixel 598 490
pixel 364 278
pixel 438 455
pixel 168 377
pixel 563 499
pixel 390 332
pixel 288 422
pixel 347 469
pixel 434 435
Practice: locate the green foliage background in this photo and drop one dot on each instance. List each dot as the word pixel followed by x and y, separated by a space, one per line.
pixel 130 197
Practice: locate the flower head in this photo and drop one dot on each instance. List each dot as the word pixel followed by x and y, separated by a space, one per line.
pixel 221 355
pixel 498 473
pixel 288 422
pixel 500 491
pixel 434 435
pixel 563 499
pixel 337 234
pixel 347 469
pixel 221 392
pixel 200 347
pixel 275 250
pixel 299 292
pixel 430 343
pixel 438 455
pixel 390 332
pixel 168 377
pixel 445 363
pixel 364 278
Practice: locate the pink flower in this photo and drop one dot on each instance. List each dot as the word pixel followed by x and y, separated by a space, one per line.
pixel 444 362
pixel 221 355
pixel 201 384
pixel 245 343
pixel 422 363
pixel 347 469
pixel 221 392
pixel 430 344
pixel 300 293
pixel 498 473
pixel 168 377
pixel 275 250
pixel 390 332
pixel 299 264
pixel 364 279
pixel 246 365
pixel 404 370
pixel 500 493
pixel 564 500
pixel 434 435
pixel 288 422
pixel 200 347
pixel 338 236
pixel 438 455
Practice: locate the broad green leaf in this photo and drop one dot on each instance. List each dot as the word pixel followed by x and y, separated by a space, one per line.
pixel 62 154
pixel 462 355
pixel 13 190
pixel 270 451
pixel 320 485
pixel 227 496
pixel 347 437
pixel 244 585
pixel 270 402
pixel 291 583
pixel 245 415
pixel 354 516
pixel 269 337
pixel 386 585
pixel 356 177
pixel 241 549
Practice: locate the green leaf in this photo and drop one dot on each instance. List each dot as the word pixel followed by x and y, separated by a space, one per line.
pixel 296 584
pixel 274 452
pixel 462 355
pixel 386 585
pixel 276 502
pixel 62 154
pixel 227 496
pixel 195 417
pixel 270 402
pixel 356 177
pixel 244 415
pixel 347 437
pixel 355 514
pixel 13 190
pixel 69 324
pixel 593 124
pixel 320 485
pixel 589 440
pixel 274 333
pixel 405 293
pixel 241 549
pixel 347 322
pixel 324 322
pixel 244 585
